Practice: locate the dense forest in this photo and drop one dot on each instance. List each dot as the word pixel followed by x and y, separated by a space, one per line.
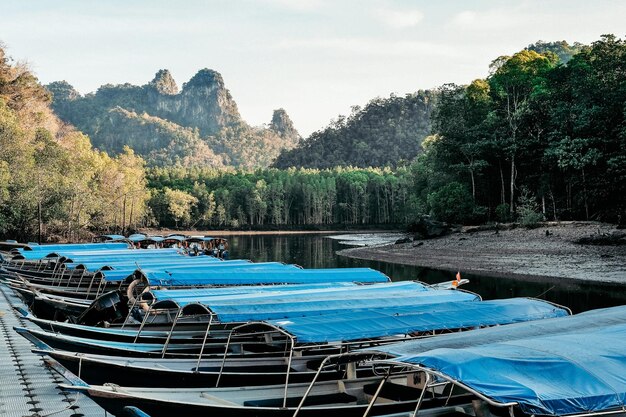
pixel 537 138
pixel 206 198
pixel 52 182
pixel 542 137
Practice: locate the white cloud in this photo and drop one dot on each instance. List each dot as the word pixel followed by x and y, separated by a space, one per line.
pixel 399 19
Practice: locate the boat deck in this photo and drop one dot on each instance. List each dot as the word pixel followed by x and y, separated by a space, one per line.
pixel 27 386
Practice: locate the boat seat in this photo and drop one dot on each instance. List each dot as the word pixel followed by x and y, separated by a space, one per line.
pixel 393 391
pixel 217 400
pixel 314 364
pixel 456 414
pixel 337 398
pixel 398 392
pixel 257 368
pixel 458 399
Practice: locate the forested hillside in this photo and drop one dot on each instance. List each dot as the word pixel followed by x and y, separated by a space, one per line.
pixel 542 137
pixel 536 136
pixel 383 133
pixel 197 126
pixel 51 180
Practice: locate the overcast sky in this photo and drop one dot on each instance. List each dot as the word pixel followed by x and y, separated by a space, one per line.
pixel 315 58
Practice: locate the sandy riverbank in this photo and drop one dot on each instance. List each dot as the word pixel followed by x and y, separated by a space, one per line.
pixel 517 253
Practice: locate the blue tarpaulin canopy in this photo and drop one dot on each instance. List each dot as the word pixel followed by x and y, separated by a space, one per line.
pixel 389 321
pixel 72 247
pixel 68 257
pixel 132 270
pixel 137 236
pixel 210 272
pixel 282 304
pixel 199 239
pixel 115 275
pixel 212 267
pixel 144 238
pixel 90 255
pixel 138 253
pixel 120 273
pixel 287 276
pixel 571 324
pixel 95 265
pixel 259 312
pixel 176 238
pixel 175 261
pixel 387 289
pixel 569 370
pixel 199 293
pixel 280 293
pixel 112 237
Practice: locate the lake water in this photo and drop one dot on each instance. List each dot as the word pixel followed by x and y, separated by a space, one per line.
pixel 319 251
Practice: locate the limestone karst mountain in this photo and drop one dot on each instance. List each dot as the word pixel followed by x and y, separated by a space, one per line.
pixel 283 126
pixel 198 124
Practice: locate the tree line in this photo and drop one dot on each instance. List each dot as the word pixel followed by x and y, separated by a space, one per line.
pixel 205 198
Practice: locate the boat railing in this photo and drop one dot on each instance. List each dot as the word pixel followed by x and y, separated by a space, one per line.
pixel 204 339
pixel 432 374
pixel 179 312
pixel 154 312
pixel 349 357
pixel 569 310
pixel 292 344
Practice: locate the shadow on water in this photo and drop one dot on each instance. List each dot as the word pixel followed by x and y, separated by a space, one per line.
pixel 318 251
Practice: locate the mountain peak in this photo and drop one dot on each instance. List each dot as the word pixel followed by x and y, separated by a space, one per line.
pixel 164 82
pixel 205 77
pixel 282 125
pixel 62 90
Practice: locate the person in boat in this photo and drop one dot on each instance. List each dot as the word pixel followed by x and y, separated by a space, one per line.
pixel 221 248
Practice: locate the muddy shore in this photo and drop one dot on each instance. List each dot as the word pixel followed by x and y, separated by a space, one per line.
pixel 518 253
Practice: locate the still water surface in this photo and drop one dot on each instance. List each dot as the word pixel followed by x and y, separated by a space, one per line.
pixel 318 251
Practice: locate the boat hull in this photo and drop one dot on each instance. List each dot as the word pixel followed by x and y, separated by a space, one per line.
pixel 100 373
pixel 114 403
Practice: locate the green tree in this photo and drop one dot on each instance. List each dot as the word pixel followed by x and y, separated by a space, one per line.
pixel 179 205
pixel 451 203
pixel 528 209
pixel 513 82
